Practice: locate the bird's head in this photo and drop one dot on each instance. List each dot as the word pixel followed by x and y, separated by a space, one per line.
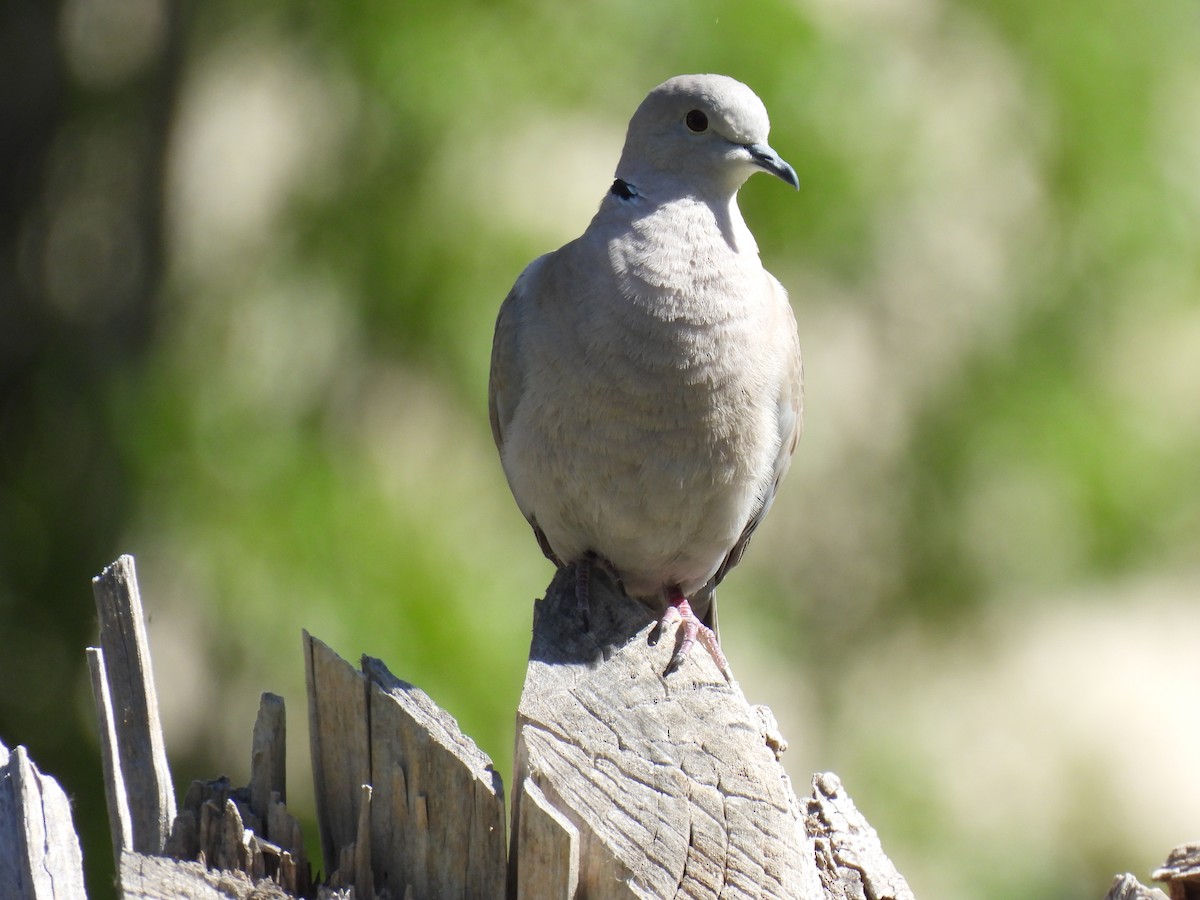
pixel 707 133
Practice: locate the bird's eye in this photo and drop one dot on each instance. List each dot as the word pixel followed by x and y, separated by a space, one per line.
pixel 696 121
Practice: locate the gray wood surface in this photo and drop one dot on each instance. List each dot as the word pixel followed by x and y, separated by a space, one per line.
pixel 849 857
pixel 141 754
pixel 551 845
pixel 341 753
pixel 438 812
pixel 119 825
pixel 670 781
pixel 268 761
pixel 1126 887
pixel 436 807
pixel 146 877
pixel 39 852
pixel 1181 872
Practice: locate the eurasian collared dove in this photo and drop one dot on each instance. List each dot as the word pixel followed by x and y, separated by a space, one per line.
pixel 646 384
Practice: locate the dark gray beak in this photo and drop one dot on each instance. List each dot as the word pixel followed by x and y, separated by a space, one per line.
pixel 770 161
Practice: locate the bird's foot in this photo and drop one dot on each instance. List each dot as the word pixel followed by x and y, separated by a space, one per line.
pixel 691 631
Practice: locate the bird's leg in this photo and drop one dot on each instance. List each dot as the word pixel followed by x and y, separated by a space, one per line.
pixel 583 590
pixel 691 631
pixel 608 567
pixel 583 583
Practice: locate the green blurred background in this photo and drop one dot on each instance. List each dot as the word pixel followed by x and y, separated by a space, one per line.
pixel 252 255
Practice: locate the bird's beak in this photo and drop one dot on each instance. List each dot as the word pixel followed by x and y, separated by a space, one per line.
pixel 770 161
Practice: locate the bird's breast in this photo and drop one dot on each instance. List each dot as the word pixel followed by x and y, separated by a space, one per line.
pixel 653 447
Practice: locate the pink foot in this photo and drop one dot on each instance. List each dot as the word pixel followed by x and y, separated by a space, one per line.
pixel 691 631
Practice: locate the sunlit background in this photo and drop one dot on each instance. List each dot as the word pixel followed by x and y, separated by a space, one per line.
pixel 252 256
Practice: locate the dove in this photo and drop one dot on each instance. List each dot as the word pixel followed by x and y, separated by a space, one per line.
pixel 646 386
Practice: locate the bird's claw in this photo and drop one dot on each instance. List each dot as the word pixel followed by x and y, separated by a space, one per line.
pixel 691 632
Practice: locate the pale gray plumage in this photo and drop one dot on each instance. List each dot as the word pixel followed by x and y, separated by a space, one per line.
pixel 646 387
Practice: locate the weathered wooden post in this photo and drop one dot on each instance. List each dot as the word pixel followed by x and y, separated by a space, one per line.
pixel 668 782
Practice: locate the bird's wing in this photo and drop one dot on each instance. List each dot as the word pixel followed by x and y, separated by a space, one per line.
pixel 507 378
pixel 506 381
pixel 790 422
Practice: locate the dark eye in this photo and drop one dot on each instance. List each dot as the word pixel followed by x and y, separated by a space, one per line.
pixel 696 121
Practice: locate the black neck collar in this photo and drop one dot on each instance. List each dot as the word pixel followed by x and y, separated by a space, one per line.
pixel 623 189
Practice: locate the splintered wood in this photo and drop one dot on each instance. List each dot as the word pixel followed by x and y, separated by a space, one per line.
pixel 145 877
pixel 137 774
pixel 1181 872
pixel 246 831
pixel 220 826
pixel 628 784
pixel 1126 887
pixel 39 852
pixel 849 857
pixel 435 823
